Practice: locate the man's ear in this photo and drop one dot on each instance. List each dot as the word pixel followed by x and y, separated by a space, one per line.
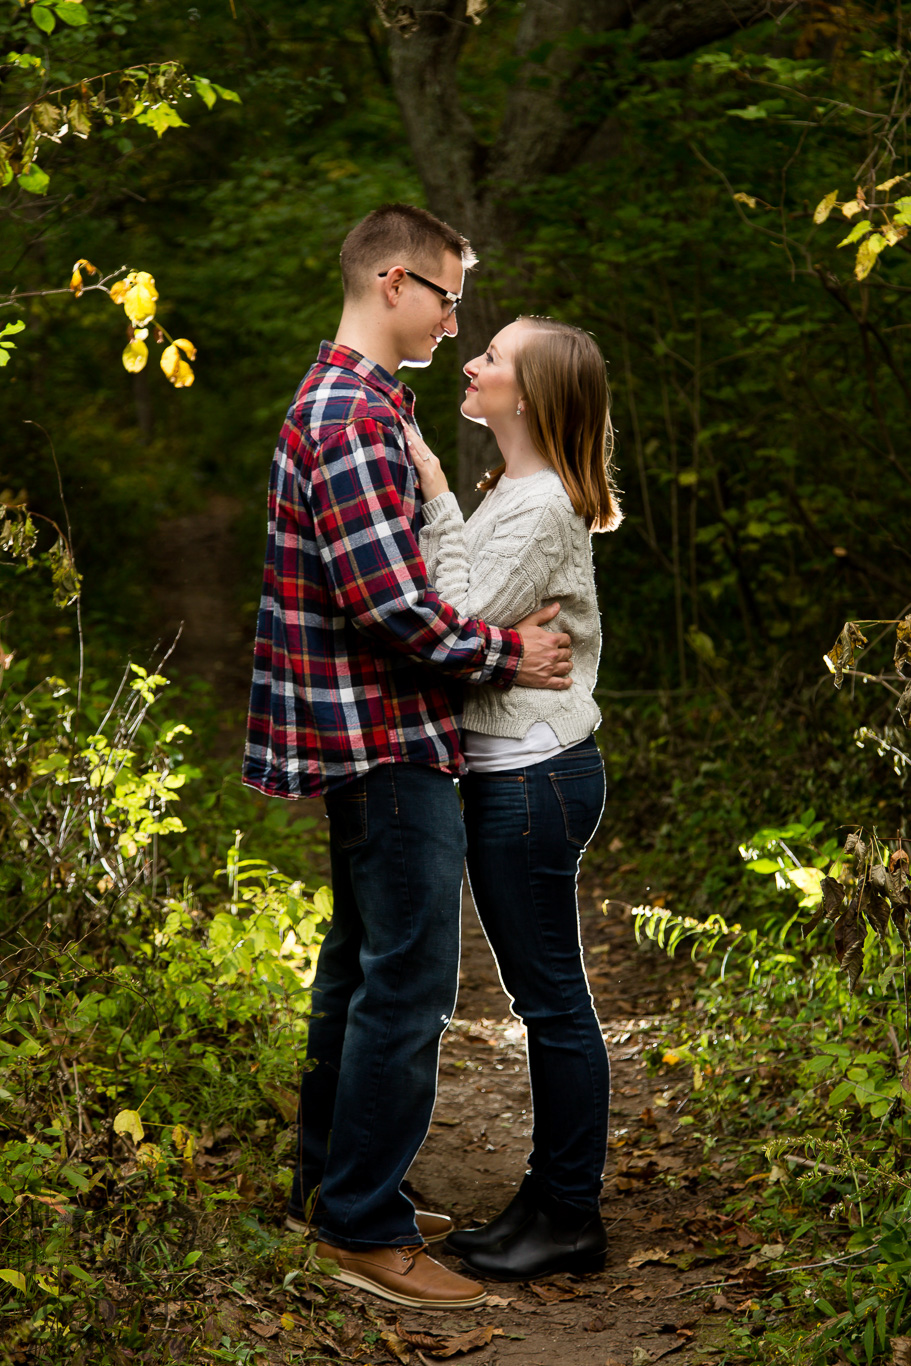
pixel 393 282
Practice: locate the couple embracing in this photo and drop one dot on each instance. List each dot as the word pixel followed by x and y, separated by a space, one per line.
pixel 400 647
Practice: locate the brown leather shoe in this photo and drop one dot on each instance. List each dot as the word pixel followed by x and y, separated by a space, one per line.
pixel 433 1228
pixel 405 1275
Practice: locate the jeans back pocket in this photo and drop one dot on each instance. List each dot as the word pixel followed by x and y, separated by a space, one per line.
pixel 581 798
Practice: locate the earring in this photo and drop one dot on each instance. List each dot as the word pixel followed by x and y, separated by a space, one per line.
pixel 519 411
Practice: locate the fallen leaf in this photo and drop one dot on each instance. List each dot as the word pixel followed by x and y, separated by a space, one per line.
pixel 396 1346
pixel 465 1342
pixel 550 1293
pixel 641 1357
pixel 647 1254
pixel 266 1330
pixel 498 1302
pixel 245 1187
pixel 901 1351
pixel 721 1302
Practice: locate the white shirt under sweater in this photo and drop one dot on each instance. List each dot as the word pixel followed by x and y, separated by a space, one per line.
pixel 523 548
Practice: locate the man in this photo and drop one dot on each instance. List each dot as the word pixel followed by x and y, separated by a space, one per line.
pixel 358 673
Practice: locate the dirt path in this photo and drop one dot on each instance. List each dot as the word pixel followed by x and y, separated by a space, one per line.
pixel 661 1201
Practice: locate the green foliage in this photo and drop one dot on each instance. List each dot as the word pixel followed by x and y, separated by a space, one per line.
pixel 136 1021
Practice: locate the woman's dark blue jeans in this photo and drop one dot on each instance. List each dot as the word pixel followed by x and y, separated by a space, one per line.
pixel 527 828
pixel 384 992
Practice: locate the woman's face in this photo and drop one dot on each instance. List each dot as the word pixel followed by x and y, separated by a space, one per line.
pixel 492 396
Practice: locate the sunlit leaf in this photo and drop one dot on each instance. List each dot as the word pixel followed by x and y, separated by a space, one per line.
pixel 76 281
pixel 825 207
pixel 887 184
pixel 808 880
pixel 14 1278
pixel 867 254
pixel 71 13
pixel 857 232
pixel 135 355
pixel 139 301
pixel 43 17
pixel 851 208
pixel 128 1122
pixel 205 91
pixel 161 117
pixel 748 199
pixel 176 368
pixel 34 179
pixel 841 656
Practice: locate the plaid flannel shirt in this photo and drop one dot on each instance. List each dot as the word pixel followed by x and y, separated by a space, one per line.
pixel 357 661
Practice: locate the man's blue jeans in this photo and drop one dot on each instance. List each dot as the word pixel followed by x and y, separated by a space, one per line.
pixel 527 828
pixel 384 992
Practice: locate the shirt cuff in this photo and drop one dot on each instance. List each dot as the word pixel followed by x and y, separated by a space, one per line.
pixel 437 507
pixel 504 658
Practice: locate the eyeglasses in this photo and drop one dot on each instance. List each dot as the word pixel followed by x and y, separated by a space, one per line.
pixel 454 299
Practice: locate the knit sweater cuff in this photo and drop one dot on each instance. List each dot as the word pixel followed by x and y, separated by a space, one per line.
pixel 439 506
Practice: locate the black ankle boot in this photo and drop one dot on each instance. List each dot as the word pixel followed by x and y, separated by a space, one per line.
pixel 557 1237
pixel 519 1210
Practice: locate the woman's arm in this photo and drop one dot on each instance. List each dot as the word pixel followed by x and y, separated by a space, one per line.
pixel 511 575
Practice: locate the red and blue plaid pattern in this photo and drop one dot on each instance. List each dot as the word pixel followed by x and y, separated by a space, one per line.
pixel 357 661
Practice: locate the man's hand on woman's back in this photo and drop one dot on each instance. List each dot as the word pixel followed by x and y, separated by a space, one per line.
pixel 547 656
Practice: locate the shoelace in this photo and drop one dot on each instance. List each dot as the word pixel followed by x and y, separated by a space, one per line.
pixel 408 1254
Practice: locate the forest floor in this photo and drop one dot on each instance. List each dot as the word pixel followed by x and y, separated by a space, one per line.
pixel 677 1269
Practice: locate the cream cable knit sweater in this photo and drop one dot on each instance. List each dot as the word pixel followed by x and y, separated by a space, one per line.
pixel 523 548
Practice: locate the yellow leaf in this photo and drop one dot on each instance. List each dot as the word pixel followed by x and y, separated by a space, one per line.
pixel 893 235
pixel 671 1058
pixel 176 368
pixel 867 254
pixel 825 207
pixel 808 881
pixel 887 184
pixel 851 208
pixel 148 1154
pixel 82 264
pixel 745 199
pixel 287 1322
pixel 14 1278
pixel 183 1141
pixel 139 303
pixel 119 290
pixel 135 355
pixel 128 1122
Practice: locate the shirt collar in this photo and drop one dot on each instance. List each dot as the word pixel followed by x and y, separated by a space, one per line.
pixel 345 358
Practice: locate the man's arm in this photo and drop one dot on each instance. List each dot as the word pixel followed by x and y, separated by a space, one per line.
pixel 374 567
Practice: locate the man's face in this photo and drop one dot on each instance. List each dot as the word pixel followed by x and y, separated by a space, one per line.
pixel 423 318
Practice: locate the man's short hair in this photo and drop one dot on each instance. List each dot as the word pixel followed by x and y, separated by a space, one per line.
pixel 398 234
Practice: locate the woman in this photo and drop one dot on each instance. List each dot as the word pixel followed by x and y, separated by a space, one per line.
pixel 534 791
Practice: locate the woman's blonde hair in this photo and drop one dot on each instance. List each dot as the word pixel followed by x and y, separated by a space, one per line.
pixel 562 378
